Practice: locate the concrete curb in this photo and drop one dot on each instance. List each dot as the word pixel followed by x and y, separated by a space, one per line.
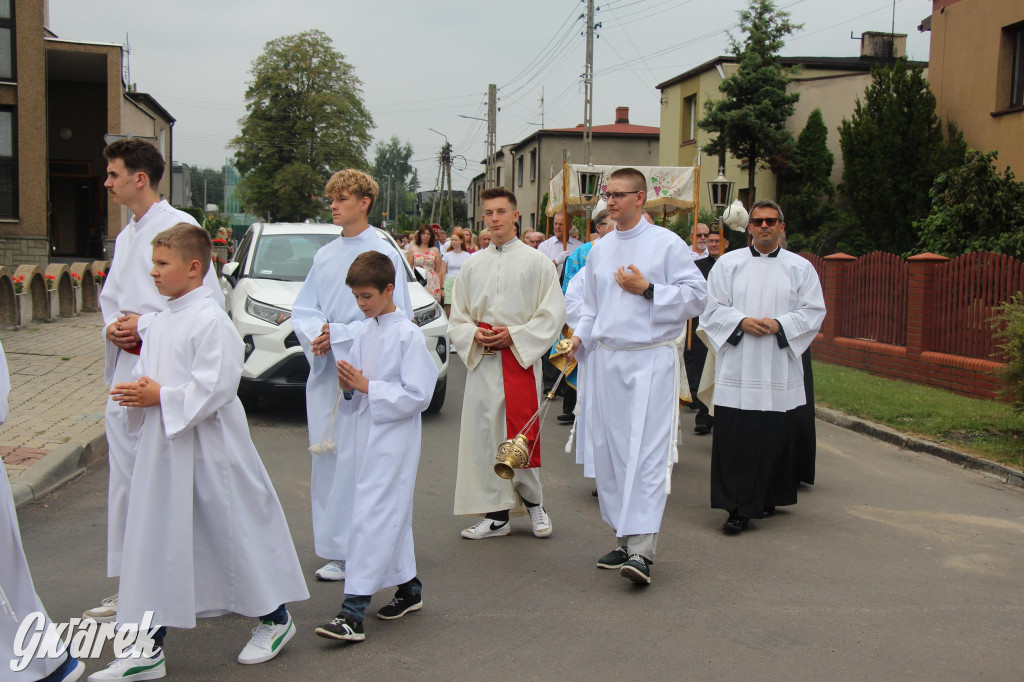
pixel 907 442
pixel 56 468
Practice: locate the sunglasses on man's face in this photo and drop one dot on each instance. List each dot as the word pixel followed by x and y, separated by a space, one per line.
pixel 758 222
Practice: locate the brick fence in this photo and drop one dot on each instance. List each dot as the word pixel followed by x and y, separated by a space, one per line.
pixel 926 319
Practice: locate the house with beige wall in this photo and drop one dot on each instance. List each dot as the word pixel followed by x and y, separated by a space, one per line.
pixel 527 166
pixel 976 70
pixel 831 84
pixel 58 99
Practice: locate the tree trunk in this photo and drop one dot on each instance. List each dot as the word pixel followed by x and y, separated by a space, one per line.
pixel 751 189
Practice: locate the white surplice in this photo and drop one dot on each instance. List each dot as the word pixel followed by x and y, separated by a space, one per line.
pixel 393 355
pixel 129 288
pixel 513 286
pixel 757 374
pixel 206 534
pixel 574 293
pixel 325 298
pixel 631 401
pixel 18 598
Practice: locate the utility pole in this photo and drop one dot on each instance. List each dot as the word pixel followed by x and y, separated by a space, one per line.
pixel 492 126
pixel 448 170
pixel 588 86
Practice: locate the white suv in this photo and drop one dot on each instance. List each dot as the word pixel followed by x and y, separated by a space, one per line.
pixel 260 285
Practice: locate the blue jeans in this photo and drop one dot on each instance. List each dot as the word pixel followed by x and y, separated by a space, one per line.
pixel 355 605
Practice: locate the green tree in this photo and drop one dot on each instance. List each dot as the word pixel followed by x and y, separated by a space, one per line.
pixel 805 186
pixel 392 161
pixel 893 149
pixel 304 120
pixel 208 184
pixel 750 119
pixel 974 208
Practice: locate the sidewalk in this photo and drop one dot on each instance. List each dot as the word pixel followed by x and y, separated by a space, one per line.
pixel 56 403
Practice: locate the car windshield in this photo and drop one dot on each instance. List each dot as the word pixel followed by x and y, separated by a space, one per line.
pixel 287 257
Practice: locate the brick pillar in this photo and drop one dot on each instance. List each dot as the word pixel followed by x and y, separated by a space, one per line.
pixel 834 286
pixel 919 302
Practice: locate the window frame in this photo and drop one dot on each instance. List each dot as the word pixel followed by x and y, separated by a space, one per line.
pixel 12 161
pixel 1016 99
pixel 9 23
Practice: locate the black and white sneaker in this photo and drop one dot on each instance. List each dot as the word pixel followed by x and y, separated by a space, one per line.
pixel 400 605
pixel 343 628
pixel 637 569
pixel 614 559
pixel 486 528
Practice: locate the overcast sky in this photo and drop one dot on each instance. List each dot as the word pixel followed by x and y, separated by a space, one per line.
pixel 424 63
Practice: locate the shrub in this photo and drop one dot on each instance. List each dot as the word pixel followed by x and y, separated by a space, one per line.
pixel 1009 324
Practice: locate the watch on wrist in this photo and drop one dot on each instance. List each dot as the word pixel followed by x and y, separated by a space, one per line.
pixel 649 292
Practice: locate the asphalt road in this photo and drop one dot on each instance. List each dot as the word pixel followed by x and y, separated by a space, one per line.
pixel 894 566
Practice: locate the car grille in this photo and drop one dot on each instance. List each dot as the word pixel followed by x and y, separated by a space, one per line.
pixel 291 341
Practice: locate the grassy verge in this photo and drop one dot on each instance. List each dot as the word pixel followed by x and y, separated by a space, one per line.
pixel 986 428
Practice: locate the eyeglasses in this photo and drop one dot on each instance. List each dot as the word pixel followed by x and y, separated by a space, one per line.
pixel 758 222
pixel 703 235
pixel 618 196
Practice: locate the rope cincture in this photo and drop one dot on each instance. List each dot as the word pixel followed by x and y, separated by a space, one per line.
pixel 6 608
pixel 326 444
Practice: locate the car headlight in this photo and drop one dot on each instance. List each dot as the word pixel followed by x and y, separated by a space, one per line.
pixel 267 313
pixel 426 314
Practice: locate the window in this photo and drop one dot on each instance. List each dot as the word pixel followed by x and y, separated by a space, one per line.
pixel 519 172
pixel 8 164
pixel 688 133
pixel 497 182
pixel 533 165
pixel 6 40
pixel 1017 66
pixel 533 221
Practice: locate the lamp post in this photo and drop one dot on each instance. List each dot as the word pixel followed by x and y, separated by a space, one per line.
pixel 720 190
pixel 589 181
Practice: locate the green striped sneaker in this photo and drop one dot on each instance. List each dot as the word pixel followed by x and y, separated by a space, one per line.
pixel 133 667
pixel 267 641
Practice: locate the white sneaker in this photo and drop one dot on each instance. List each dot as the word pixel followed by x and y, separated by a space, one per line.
pixel 106 612
pixel 332 571
pixel 486 528
pixel 127 669
pixel 540 520
pixel 267 641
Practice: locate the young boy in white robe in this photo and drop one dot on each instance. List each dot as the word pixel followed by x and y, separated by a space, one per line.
pixel 387 384
pixel 18 599
pixel 325 318
pixel 206 534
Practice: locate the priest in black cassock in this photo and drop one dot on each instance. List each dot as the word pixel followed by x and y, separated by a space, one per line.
pixel 695 353
pixel 765 306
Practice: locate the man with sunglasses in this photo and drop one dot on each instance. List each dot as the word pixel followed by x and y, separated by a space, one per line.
pixel 640 287
pixel 765 306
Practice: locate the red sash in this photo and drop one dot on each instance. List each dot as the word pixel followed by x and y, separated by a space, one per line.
pixel 520 400
pixel 135 350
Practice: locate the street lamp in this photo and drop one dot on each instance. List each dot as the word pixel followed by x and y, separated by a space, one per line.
pixel 720 190
pixel 589 181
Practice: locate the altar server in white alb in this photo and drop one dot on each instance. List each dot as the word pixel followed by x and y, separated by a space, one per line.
pixel 765 307
pixel 134 169
pixel 325 317
pixel 206 534
pixel 641 286
pixel 18 599
pixel 387 382
pixel 507 302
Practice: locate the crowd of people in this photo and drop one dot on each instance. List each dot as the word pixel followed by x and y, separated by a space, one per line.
pixel 632 303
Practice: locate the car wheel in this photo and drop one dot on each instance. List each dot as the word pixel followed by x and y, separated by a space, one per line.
pixel 438 400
